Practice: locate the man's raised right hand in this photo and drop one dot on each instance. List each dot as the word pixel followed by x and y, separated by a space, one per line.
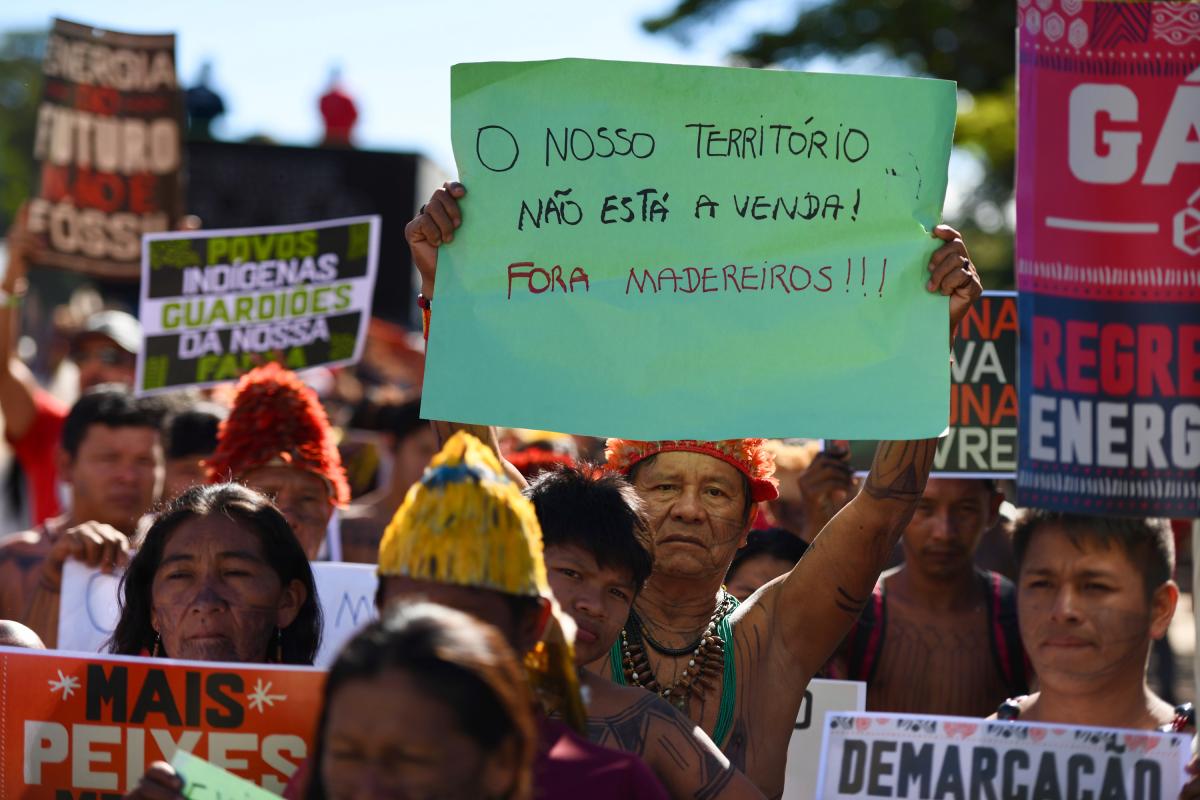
pixel 431 228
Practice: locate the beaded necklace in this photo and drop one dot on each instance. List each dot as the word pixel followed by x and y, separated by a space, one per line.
pixel 631 665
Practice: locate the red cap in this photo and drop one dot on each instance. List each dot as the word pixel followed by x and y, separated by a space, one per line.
pixel 747 456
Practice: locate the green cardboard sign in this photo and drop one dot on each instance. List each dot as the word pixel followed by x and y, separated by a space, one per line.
pixel 657 251
pixel 205 781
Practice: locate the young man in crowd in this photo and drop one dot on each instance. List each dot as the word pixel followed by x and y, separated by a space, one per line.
pixel 277 440
pixel 413 445
pixel 741 673
pixel 105 352
pixel 467 539
pixel 111 457
pixel 940 635
pixel 1093 593
pixel 189 439
pixel 595 537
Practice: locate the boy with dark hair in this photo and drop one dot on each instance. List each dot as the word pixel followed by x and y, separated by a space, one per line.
pixel 1092 593
pixel 594 533
pixel 112 458
pixel 940 635
pixel 413 445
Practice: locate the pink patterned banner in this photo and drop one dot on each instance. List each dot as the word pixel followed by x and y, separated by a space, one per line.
pixel 1108 256
pixel 1108 176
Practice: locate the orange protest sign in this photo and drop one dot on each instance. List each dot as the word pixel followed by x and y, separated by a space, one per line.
pixel 86 727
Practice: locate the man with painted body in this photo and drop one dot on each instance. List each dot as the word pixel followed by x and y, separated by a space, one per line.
pixel 746 689
pixel 940 635
pixel 595 534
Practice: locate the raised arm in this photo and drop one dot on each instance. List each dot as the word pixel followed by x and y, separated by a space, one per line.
pixel 430 229
pixel 17 384
pixel 811 608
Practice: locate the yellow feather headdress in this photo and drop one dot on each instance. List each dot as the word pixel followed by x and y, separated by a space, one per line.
pixel 465 523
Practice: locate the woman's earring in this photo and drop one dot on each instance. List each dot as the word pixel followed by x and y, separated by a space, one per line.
pixel 279 645
pixel 157 645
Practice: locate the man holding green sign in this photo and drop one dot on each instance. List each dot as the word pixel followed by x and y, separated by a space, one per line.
pixel 651 340
pixel 702 507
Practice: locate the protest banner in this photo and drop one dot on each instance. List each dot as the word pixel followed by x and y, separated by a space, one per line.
pixel 804 748
pixel 215 304
pixel 657 251
pixel 108 142
pixel 204 781
pixel 907 755
pixel 1108 257
pixel 88 609
pixel 982 439
pixel 347 596
pixel 88 726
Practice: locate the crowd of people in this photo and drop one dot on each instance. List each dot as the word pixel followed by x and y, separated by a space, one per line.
pixel 560 616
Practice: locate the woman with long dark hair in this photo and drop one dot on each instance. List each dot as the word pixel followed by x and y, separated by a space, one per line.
pixel 220 577
pixel 426 703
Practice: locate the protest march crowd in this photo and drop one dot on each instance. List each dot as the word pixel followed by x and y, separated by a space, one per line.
pixel 670 608
pixel 553 615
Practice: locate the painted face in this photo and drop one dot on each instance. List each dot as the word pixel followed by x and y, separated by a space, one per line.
pixel 182 474
pixel 100 360
pixel 940 540
pixel 116 474
pixel 755 572
pixel 597 598
pixel 485 605
pixel 696 505
pixel 215 597
pixel 385 737
pixel 301 496
pixel 1083 611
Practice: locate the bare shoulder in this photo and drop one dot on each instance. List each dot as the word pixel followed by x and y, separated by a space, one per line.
pixel 755 642
pixel 629 713
pixel 608 699
pixel 755 610
pixel 678 751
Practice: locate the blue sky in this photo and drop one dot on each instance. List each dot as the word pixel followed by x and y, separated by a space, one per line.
pixel 271 59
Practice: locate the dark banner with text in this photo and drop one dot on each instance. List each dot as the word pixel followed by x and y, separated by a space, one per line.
pixel 1108 257
pixel 109 145
pixel 215 304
